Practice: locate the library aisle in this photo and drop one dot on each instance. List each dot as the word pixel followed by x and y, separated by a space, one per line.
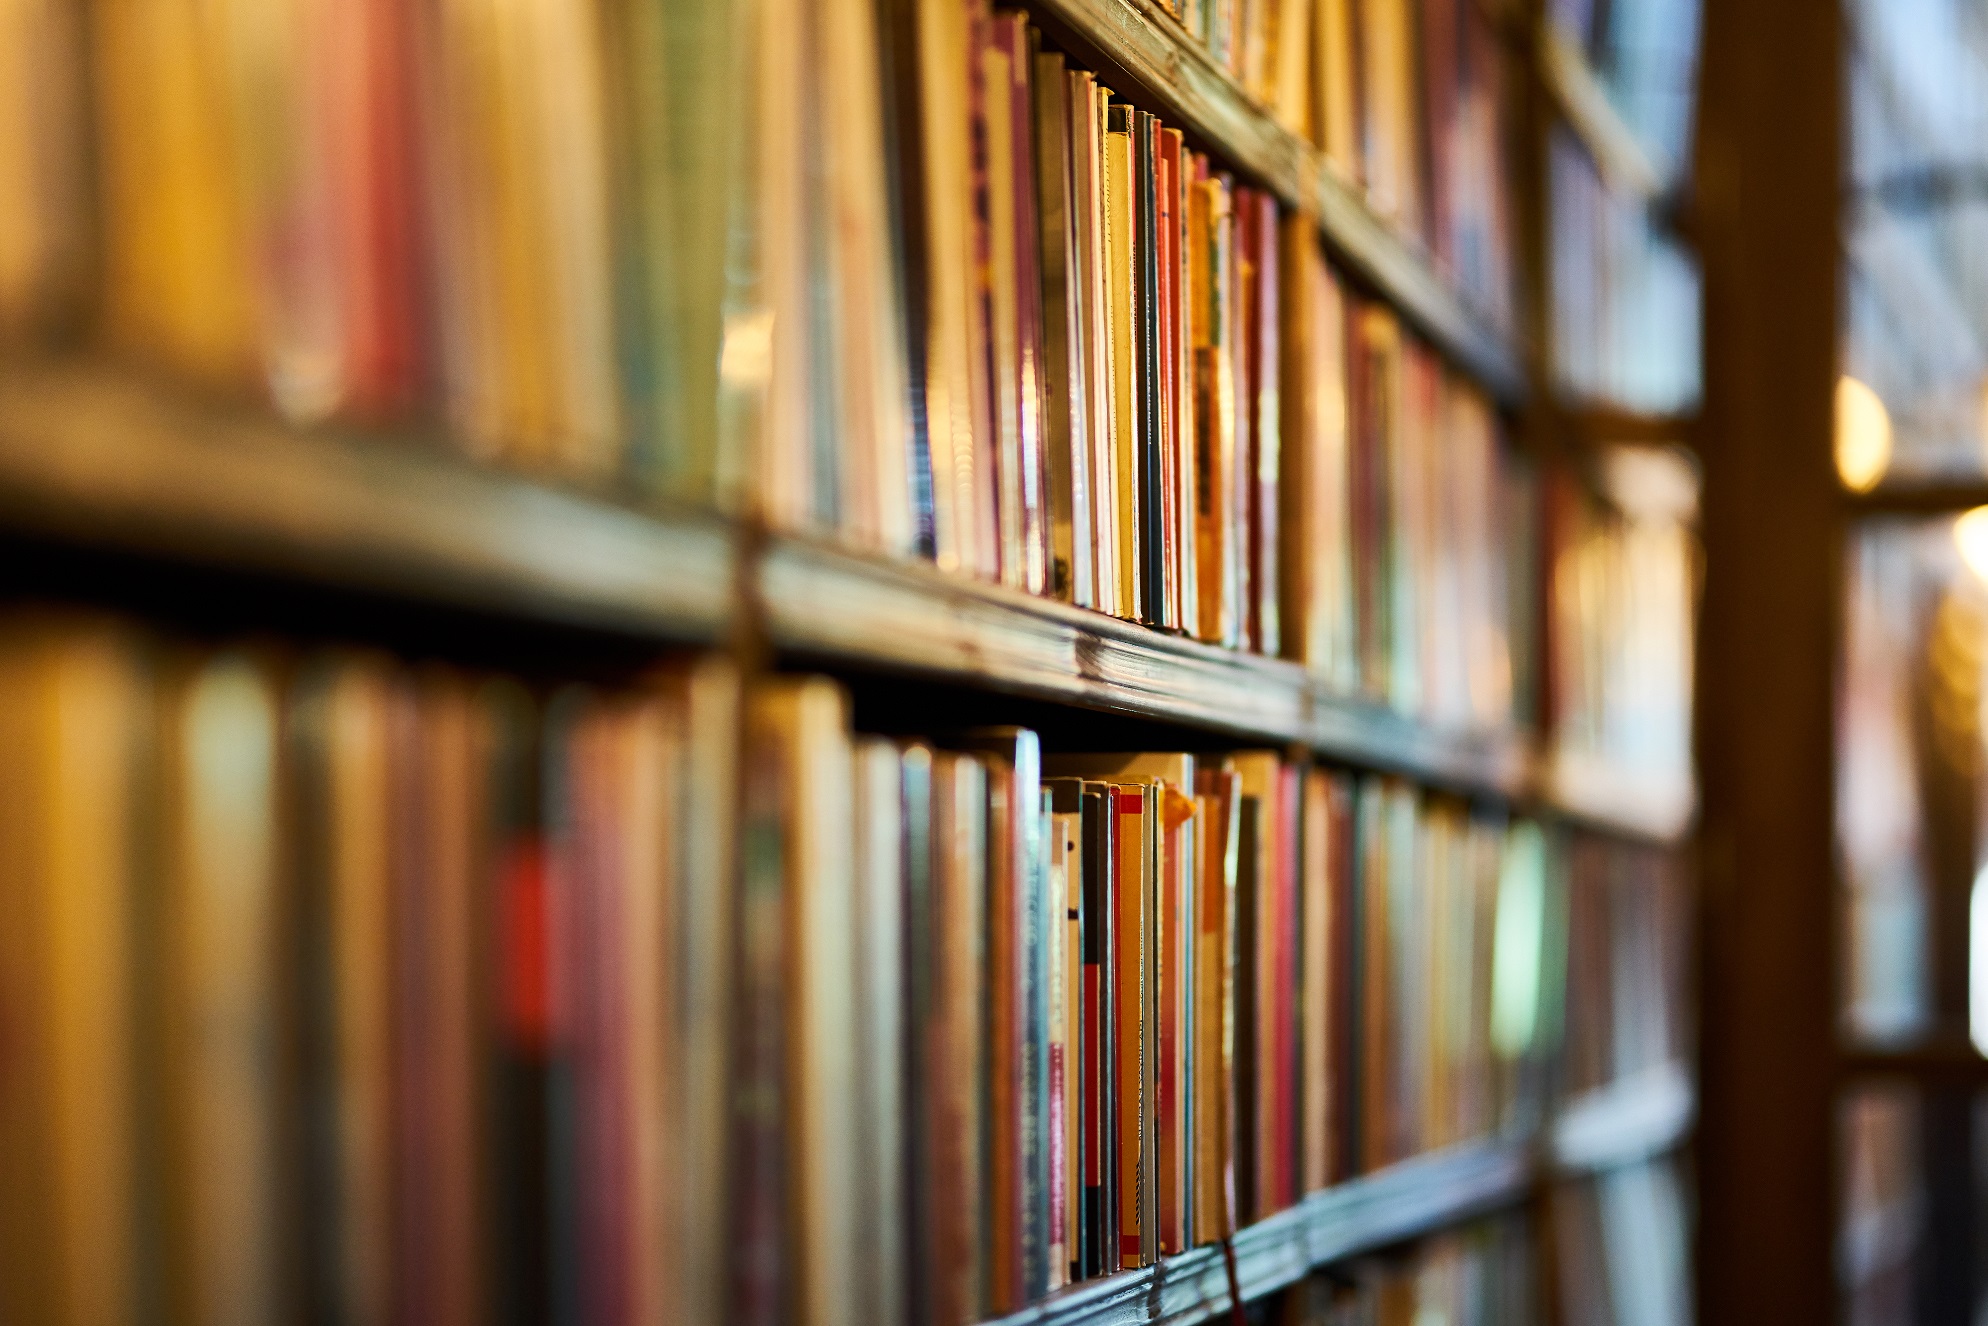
pixel 939 663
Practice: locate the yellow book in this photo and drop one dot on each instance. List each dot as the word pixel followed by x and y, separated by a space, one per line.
pixel 1292 65
pixel 177 271
pixel 1121 213
pixel 1390 118
pixel 1089 112
pixel 1336 119
pixel 1213 1144
pixel 73 713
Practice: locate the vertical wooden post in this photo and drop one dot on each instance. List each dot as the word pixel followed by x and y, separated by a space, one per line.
pixel 1769 167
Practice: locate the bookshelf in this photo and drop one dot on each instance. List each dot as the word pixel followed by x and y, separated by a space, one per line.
pixel 95 455
pixel 101 456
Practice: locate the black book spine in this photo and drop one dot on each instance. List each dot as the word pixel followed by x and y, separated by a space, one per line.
pixel 1248 877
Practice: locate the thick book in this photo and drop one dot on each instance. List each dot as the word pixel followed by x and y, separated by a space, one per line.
pixel 77 764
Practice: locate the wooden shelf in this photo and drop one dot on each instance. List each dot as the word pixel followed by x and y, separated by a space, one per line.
pixel 1167 67
pixel 1633 1119
pixel 1419 1196
pixel 97 456
pixel 827 604
pixel 1642 1116
pixel 1624 160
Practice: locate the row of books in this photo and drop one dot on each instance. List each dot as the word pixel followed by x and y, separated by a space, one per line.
pixel 1622 1246
pixel 336 982
pixel 1409 99
pixel 1628 921
pixel 1480 1275
pixel 413 990
pixel 1148 998
pixel 986 311
pixel 1624 575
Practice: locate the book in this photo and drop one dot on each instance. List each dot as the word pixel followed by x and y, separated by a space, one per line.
pixel 1218 853
pixel 74 766
pixel 879 858
pixel 215 1001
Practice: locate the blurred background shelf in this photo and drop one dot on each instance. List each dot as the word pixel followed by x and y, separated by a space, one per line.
pixel 1646 1114
pixel 99 457
pixel 1429 1193
pixel 1602 795
pixel 1178 76
pixel 1583 103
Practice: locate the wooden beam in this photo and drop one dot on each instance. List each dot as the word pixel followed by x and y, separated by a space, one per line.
pixel 1769 177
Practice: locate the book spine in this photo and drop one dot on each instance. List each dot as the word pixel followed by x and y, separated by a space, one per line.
pixel 1130 997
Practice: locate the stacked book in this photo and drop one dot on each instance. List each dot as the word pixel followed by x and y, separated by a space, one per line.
pixel 411 988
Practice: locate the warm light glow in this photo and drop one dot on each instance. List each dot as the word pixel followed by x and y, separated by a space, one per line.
pixel 1970 535
pixel 1863 435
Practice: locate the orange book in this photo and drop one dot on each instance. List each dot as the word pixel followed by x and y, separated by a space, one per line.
pixel 1174 936
pixel 1211 1142
pixel 71 733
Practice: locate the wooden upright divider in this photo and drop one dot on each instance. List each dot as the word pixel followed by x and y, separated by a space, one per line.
pixel 1770 177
